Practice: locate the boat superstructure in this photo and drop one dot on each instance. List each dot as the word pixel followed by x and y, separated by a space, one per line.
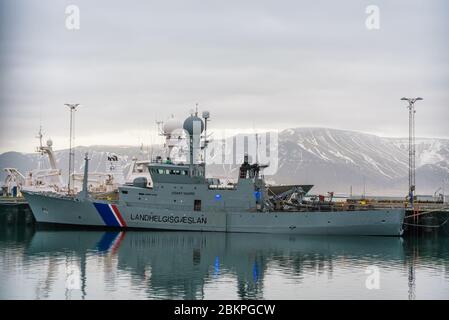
pixel 40 179
pixel 181 197
pixel 102 182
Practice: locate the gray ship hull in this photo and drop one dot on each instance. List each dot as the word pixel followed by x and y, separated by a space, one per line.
pixel 58 209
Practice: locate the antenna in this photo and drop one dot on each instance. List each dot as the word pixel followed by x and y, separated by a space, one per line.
pixel 257 147
pixel 150 145
pixel 257 142
pixel 206 117
pixel 160 129
pixel 72 108
pixel 364 187
pixel 39 136
pixel 40 126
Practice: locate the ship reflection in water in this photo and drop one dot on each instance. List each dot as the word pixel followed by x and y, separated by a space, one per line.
pixel 77 264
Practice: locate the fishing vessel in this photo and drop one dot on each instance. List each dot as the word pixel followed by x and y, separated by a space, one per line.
pixel 40 179
pixel 48 178
pixel 181 197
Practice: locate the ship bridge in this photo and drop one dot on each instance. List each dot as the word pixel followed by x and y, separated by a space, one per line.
pixel 176 173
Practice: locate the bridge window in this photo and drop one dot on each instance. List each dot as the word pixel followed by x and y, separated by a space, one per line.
pixel 170 171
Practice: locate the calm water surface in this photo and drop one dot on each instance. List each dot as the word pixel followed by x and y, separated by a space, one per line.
pixel 77 264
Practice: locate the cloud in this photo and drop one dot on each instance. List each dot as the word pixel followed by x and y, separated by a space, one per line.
pixel 252 63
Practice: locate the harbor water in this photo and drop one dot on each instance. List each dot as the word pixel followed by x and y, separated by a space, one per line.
pixel 68 263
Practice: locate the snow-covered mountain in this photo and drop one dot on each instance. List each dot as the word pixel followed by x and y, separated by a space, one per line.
pixel 330 159
pixel 335 160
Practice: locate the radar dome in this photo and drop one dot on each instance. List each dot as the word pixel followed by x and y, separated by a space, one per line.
pixel 191 122
pixel 49 143
pixel 171 125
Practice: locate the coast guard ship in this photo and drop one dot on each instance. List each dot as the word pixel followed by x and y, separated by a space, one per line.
pixel 180 197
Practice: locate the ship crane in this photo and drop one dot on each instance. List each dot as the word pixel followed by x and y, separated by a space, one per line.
pixel 48 149
pixel 13 179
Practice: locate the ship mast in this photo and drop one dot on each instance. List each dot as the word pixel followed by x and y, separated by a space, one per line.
pixel 39 136
pixel 206 116
pixel 39 149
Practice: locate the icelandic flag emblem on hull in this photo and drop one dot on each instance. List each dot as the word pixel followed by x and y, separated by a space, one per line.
pixel 110 214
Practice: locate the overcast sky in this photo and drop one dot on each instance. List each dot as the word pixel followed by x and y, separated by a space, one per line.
pixel 253 64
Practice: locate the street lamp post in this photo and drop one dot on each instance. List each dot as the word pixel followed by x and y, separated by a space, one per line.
pixel 72 108
pixel 411 148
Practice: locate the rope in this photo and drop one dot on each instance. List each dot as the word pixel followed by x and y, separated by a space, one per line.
pixel 425 212
pixel 424 225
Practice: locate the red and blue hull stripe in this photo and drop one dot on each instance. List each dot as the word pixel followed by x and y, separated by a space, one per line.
pixel 110 242
pixel 110 214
